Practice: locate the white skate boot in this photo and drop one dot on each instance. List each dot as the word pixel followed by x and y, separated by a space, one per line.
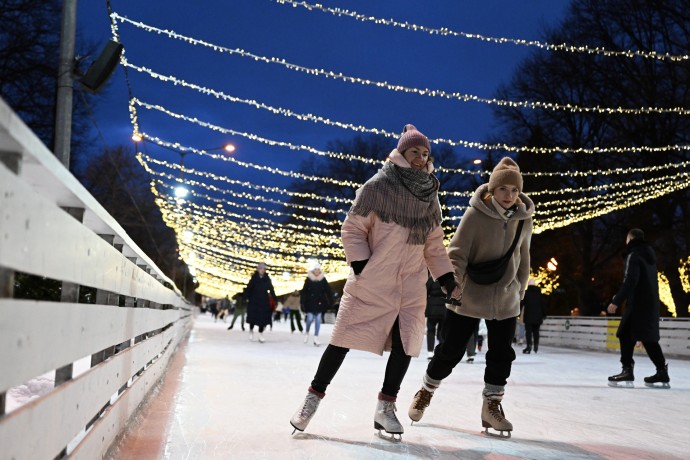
pixel 251 335
pixel 493 416
pixel 261 337
pixel 304 414
pixel 316 342
pixel 306 337
pixel 385 419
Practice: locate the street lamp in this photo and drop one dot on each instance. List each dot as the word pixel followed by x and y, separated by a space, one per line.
pixel 552 264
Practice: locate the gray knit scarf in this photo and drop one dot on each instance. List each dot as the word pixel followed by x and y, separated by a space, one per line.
pixel 406 196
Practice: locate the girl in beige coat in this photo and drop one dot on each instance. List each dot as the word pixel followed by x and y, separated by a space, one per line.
pixel 486 232
pixel 391 235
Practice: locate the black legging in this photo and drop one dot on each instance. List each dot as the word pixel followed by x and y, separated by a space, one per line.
pixel 333 357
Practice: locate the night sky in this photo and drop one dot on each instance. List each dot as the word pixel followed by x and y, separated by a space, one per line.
pixel 315 40
pixel 318 40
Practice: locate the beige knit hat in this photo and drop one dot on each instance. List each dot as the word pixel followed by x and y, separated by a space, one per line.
pixel 506 172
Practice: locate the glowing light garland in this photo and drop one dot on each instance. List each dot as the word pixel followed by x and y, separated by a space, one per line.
pixel 351 157
pixel 208 236
pixel 444 31
pixel 395 87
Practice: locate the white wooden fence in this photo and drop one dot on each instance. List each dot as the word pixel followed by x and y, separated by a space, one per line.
pixel 599 333
pixel 51 227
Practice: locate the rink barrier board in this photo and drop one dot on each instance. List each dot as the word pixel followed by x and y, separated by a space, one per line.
pixel 85 369
pixel 599 334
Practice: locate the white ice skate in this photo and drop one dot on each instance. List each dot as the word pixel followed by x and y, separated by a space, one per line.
pixel 306 337
pixel 316 342
pixel 385 419
pixel 305 413
pixel 251 335
pixel 261 337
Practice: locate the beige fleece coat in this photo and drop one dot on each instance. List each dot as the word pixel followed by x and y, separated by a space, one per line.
pixel 484 235
pixel 392 285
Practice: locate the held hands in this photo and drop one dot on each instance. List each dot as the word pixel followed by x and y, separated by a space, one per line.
pixel 450 288
pixel 612 308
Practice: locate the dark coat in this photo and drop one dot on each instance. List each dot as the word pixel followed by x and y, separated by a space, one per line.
pixel 533 304
pixel 316 295
pixel 258 306
pixel 640 289
pixel 435 300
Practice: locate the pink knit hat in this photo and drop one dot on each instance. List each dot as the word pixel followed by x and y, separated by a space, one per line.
pixel 410 138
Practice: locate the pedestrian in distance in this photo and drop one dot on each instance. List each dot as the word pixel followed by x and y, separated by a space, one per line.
pixel 391 235
pixel 259 293
pixel 315 298
pixel 640 320
pixel 240 309
pixel 435 314
pixel 490 255
pixel 533 313
pixel 292 302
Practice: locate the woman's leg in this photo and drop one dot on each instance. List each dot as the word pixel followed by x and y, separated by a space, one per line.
pixel 309 317
pixel 529 332
pixel 398 363
pixel 535 336
pixel 331 360
pixel 317 324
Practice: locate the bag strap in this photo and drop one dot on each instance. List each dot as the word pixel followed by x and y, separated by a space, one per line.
pixel 515 240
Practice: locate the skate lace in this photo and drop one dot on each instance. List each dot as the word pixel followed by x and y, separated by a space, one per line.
pixel 389 409
pixel 310 404
pixel 423 400
pixel 496 410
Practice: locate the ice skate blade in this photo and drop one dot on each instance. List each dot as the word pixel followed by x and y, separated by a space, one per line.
pixel 658 385
pixel 624 384
pixel 496 433
pixel 392 437
pixel 295 429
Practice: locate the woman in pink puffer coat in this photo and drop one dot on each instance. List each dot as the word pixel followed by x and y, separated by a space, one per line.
pixel 391 235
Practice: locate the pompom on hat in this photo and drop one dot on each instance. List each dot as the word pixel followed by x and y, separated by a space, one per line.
pixel 506 172
pixel 410 138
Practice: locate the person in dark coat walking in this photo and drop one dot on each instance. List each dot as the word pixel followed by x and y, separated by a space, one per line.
pixel 435 313
pixel 533 313
pixel 315 298
pixel 258 291
pixel 640 321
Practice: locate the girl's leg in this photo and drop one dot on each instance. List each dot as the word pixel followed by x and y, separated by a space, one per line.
pixel 500 356
pixel 455 334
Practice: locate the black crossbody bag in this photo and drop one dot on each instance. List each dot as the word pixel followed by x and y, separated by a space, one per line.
pixel 492 271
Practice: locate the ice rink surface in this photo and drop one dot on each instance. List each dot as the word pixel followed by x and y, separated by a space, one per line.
pixel 226 397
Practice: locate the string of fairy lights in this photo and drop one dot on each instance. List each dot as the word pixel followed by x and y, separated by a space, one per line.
pixel 453 95
pixel 444 31
pixel 221 238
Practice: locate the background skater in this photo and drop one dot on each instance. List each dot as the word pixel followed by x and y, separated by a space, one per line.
pixel 640 321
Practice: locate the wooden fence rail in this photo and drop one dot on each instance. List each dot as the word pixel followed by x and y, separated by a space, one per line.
pixel 86 366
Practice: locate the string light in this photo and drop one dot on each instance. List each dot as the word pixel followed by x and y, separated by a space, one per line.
pixel 464 97
pixel 358 128
pixel 444 31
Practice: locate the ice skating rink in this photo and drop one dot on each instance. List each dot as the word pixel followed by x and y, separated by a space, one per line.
pixel 225 397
